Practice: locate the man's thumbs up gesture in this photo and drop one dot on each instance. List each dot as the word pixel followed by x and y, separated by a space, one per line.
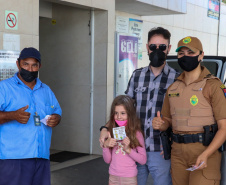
pixel 21 115
pixel 157 122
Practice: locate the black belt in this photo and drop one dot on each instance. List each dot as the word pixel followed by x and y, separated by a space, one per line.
pixel 188 138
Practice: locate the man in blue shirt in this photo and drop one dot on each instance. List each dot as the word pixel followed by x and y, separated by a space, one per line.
pixel 24 139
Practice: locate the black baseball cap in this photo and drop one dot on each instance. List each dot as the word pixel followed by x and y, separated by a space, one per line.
pixel 30 53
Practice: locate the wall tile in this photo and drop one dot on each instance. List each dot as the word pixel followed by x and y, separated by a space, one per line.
pixel 188 24
pixel 145 61
pixel 191 1
pixel 111 26
pixel 184 6
pixel 222 46
pixel 179 20
pixel 188 33
pixel 110 64
pixel 205 4
pixel 100 95
pixel 100 65
pixel 1 40
pixel 64 135
pixel 102 4
pixel 213 45
pixel 26 41
pixel 35 42
pixel 177 34
pixel 222 25
pixel 175 5
pixel 101 26
pixel 168 20
pixel 162 3
pixel 198 18
pixel 206 42
pixel 156 19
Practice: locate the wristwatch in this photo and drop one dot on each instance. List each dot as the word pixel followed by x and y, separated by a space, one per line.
pixel 103 127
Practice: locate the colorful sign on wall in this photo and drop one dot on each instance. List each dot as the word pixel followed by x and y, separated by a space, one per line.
pixel 127 57
pixel 213 9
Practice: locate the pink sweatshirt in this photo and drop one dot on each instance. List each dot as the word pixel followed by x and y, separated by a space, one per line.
pixel 123 164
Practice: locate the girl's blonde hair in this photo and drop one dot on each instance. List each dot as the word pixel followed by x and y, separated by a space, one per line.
pixel 133 123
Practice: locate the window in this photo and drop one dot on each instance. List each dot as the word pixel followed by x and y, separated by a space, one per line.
pixel 223 76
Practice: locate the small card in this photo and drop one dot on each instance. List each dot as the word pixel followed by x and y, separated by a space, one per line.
pixel 119 133
pixel 195 168
pixel 37 120
pixel 44 120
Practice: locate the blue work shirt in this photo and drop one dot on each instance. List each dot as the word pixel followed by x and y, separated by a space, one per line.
pixel 20 141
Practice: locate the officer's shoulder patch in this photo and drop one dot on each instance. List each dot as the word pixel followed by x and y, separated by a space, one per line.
pixel 174 94
pixel 222 86
pixel 224 89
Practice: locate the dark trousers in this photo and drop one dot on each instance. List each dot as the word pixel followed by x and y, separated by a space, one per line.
pixel 25 172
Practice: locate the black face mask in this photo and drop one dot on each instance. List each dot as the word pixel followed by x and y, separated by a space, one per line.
pixel 157 58
pixel 188 63
pixel 27 75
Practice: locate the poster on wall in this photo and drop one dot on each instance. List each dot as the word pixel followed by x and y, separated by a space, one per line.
pixel 8 65
pixel 122 24
pixel 126 62
pixel 135 29
pixel 11 42
pixel 213 9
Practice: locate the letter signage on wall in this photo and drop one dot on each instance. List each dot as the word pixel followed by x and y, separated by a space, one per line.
pixel 135 29
pixel 8 65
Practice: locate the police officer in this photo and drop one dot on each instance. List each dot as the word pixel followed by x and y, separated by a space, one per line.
pixel 194 102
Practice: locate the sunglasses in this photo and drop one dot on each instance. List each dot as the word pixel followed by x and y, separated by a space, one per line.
pixel 153 47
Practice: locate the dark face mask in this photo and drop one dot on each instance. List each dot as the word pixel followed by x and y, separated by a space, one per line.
pixel 188 63
pixel 27 75
pixel 157 58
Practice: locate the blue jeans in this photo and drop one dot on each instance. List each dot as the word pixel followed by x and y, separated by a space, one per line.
pixel 158 167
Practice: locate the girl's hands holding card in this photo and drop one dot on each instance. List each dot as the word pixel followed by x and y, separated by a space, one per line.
pixel 126 147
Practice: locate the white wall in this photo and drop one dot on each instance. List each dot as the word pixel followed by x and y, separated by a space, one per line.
pixel 193 23
pixel 28 21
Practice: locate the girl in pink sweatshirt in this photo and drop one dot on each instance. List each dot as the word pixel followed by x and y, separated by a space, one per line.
pixel 123 155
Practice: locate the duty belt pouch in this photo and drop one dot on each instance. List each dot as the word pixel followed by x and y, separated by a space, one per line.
pixel 166 143
pixel 209 133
